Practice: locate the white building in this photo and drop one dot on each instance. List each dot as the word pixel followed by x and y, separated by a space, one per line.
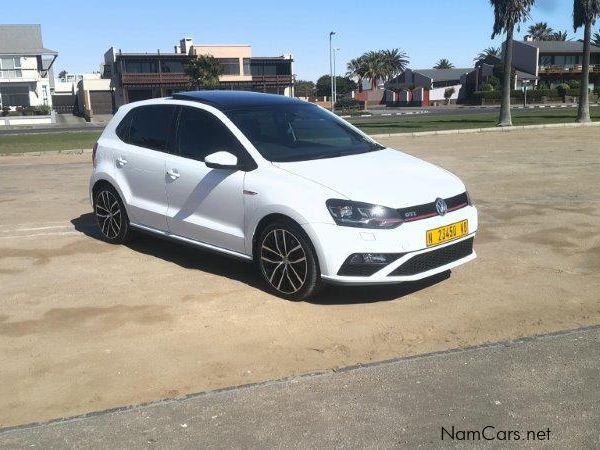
pixel 25 67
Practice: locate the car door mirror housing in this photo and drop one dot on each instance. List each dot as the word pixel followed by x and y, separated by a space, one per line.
pixel 222 160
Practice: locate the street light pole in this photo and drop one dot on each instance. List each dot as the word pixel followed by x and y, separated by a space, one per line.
pixel 335 50
pixel 331 69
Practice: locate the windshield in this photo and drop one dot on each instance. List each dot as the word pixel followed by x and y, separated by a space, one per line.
pixel 299 133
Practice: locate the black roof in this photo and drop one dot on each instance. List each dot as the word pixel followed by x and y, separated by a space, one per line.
pixel 237 99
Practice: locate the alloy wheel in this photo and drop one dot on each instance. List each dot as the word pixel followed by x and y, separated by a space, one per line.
pixel 283 261
pixel 108 214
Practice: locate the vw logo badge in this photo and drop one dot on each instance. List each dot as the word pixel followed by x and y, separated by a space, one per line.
pixel 440 206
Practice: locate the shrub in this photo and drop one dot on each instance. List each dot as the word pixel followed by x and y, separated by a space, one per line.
pixel 487 87
pixel 574 84
pixel 562 89
pixel 347 103
pixel 42 110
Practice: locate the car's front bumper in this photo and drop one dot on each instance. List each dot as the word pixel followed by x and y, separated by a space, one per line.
pixel 334 244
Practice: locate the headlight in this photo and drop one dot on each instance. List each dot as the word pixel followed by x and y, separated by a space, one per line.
pixel 363 215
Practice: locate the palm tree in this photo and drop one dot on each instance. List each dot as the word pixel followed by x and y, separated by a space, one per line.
pixel 356 67
pixel 507 14
pixel 540 31
pixel 394 61
pixel 378 66
pixel 204 72
pixel 596 39
pixel 444 64
pixel 584 14
pixel 559 36
pixel 490 51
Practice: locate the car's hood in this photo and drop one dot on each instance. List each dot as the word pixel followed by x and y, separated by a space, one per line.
pixel 385 177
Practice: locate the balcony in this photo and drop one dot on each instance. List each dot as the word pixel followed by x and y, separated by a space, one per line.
pixel 154 79
pixel 575 68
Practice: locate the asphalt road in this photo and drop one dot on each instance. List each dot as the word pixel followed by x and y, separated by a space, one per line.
pixel 536 392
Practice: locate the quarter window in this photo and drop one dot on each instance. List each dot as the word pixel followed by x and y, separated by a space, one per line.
pixel 151 126
pixel 201 133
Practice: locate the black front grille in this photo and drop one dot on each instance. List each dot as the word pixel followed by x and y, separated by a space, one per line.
pixel 435 258
pixel 419 212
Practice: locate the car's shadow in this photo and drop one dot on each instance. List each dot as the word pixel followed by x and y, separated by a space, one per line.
pixel 191 257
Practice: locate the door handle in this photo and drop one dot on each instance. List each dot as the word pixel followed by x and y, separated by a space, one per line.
pixel 121 161
pixel 173 173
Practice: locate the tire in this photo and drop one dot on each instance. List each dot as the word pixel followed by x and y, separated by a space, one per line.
pixel 287 261
pixel 111 216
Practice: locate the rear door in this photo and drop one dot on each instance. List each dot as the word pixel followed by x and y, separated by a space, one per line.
pixel 140 163
pixel 205 204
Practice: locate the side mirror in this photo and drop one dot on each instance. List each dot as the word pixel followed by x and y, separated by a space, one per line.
pixel 221 160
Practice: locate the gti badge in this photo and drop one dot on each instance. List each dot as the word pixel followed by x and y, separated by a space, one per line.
pixel 440 206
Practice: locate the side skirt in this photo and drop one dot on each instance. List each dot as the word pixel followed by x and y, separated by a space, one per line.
pixel 191 242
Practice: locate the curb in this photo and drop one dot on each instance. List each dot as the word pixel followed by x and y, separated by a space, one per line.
pixel 406 113
pixel 489 129
pixel 75 151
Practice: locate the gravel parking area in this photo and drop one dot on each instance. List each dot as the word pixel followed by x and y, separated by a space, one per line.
pixel 86 326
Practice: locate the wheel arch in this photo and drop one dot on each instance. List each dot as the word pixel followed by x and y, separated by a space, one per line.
pixel 273 217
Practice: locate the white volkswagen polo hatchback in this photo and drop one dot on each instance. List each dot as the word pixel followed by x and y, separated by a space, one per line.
pixel 281 182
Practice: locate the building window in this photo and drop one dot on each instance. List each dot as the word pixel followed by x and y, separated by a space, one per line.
pixel 14 95
pixel 140 66
pixel 10 67
pixel 247 66
pixel 546 60
pixel 171 66
pixel 271 68
pixel 230 66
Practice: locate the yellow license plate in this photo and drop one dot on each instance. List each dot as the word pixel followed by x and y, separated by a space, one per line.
pixel 447 233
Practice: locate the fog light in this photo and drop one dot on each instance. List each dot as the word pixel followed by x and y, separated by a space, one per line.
pixel 365 264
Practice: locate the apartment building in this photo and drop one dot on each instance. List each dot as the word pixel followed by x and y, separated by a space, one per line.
pixel 140 76
pixel 25 67
pixel 555 62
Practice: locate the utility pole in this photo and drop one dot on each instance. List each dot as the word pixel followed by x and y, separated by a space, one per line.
pixel 331 69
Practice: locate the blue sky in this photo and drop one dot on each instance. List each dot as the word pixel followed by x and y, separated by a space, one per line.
pixel 82 31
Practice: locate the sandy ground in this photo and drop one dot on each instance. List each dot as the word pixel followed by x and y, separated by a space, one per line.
pixel 86 326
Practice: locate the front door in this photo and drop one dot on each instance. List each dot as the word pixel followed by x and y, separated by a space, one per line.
pixel 205 204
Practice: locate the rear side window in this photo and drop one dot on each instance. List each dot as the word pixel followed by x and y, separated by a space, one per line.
pixel 151 126
pixel 200 133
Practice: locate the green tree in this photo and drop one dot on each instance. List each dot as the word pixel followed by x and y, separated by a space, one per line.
pixel 304 88
pixel 490 51
pixel 344 85
pixel 585 13
pixel 204 72
pixel 444 64
pixel 540 31
pixel 377 66
pixel 596 39
pixel 62 74
pixel 507 15
pixel 448 93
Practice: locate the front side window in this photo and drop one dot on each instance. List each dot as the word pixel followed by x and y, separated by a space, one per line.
pixel 299 133
pixel 151 126
pixel 10 67
pixel 200 133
